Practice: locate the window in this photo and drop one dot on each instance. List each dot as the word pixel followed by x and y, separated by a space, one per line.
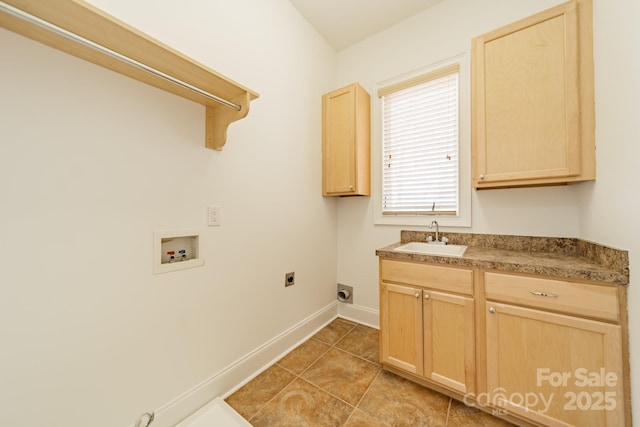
pixel 422 148
pixel 420 144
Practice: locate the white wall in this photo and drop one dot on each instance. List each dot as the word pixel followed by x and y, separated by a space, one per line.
pixel 440 32
pixel 606 211
pixel 610 206
pixel 92 163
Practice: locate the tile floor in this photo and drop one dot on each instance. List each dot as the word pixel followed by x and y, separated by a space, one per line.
pixel 335 379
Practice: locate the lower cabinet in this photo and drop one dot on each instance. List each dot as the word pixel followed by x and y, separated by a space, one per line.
pixel 538 351
pixel 428 333
pixel 449 350
pixel 555 369
pixel 401 327
pixel 555 350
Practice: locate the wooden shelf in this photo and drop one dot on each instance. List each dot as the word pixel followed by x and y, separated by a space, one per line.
pixel 90 23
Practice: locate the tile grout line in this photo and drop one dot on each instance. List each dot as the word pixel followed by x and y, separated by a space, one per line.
pixel 363 395
pixel 446 421
pixel 334 346
pixel 274 396
pixel 353 408
pixel 353 354
pixel 329 393
pixel 296 376
pixel 299 376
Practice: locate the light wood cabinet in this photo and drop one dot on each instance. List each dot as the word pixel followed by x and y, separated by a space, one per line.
pixel 424 330
pixel 533 101
pixel 580 299
pixel 346 142
pixel 538 351
pixel 547 362
pixel 555 369
pixel 401 327
pixel 449 350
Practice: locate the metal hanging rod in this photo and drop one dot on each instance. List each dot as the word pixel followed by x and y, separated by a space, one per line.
pixel 95 46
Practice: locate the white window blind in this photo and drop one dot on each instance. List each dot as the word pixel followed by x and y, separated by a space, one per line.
pixel 420 144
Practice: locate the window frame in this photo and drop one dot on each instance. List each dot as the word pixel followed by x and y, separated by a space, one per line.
pixel 463 218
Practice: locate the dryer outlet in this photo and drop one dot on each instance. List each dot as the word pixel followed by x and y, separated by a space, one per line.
pixel 345 293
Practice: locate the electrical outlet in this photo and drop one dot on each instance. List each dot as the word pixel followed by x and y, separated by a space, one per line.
pixel 213 216
pixel 290 279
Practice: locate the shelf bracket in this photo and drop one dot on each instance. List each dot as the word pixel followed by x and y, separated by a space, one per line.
pixel 219 117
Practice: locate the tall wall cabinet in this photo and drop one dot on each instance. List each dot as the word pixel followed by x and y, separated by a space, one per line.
pixel 533 100
pixel 346 142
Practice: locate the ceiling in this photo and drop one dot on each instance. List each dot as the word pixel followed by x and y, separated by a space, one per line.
pixel 345 22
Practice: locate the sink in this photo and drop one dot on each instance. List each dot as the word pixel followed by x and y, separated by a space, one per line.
pixel 432 249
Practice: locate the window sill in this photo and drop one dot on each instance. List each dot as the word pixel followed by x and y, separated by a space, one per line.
pixel 423 220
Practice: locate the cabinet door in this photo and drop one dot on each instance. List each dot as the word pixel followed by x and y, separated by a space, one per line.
pixel 401 327
pixel 339 141
pixel 527 103
pixel 555 369
pixel 346 142
pixel 449 349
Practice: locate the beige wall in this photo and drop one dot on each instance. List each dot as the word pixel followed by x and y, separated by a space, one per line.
pixel 92 163
pixel 442 31
pixel 610 206
pixel 606 211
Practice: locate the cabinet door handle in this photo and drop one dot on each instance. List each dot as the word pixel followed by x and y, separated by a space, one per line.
pixel 543 294
pixel 492 310
pixel 417 295
pixel 426 296
pixel 481 176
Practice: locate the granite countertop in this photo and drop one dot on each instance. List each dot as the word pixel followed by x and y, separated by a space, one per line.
pixel 563 258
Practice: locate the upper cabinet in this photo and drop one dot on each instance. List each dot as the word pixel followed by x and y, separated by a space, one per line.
pixel 533 100
pixel 346 142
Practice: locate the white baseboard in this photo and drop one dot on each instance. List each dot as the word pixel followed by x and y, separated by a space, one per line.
pixel 215 413
pixel 243 370
pixel 360 314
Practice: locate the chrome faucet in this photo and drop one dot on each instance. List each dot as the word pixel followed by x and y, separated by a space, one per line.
pixel 437 241
pixel 437 229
